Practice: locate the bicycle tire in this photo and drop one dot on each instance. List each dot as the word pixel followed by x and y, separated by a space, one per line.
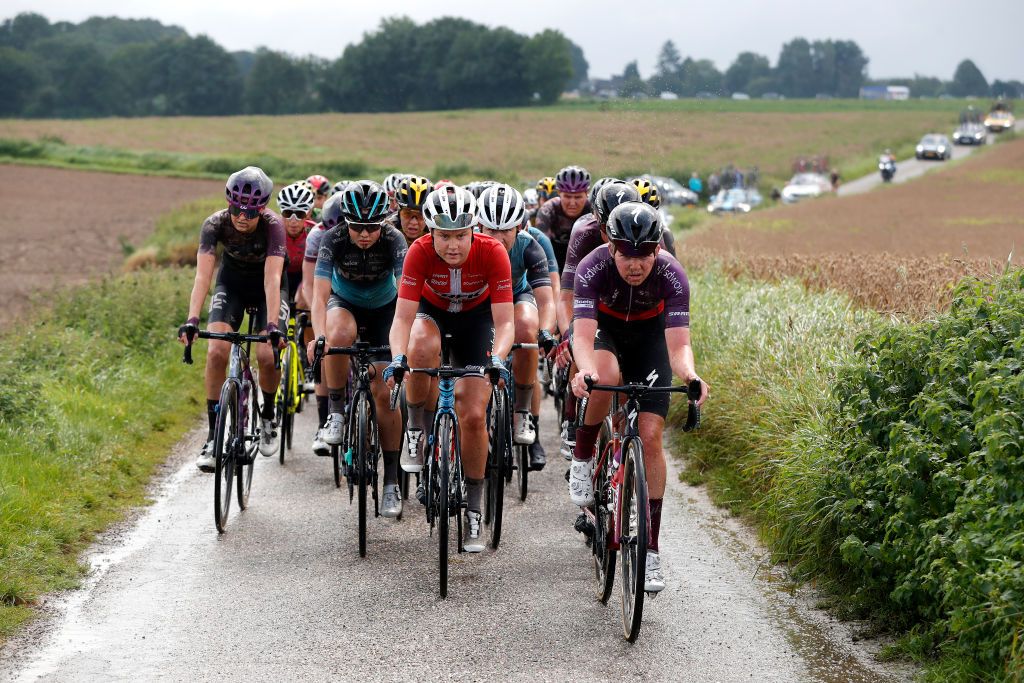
pixel 604 556
pixel 336 461
pixel 523 470
pixel 496 456
pixel 224 440
pixel 284 399
pixel 633 547
pixel 250 444
pixel 441 513
pixel 359 458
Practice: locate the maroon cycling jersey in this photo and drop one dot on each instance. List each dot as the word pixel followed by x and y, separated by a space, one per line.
pixel 600 288
pixel 244 252
pixel 585 238
pixel 553 222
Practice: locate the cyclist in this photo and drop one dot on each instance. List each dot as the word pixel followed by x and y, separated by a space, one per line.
pixel 253 239
pixel 354 293
pixel 545 190
pixel 500 212
pixel 459 283
pixel 320 447
pixel 391 187
pixel 556 216
pixel 630 295
pixel 322 189
pixel 532 200
pixel 411 193
pixel 537 453
pixel 296 204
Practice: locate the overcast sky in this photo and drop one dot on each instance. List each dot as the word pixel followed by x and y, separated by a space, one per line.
pixel 900 37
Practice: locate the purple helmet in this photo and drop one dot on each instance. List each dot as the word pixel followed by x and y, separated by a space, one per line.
pixel 249 188
pixel 572 179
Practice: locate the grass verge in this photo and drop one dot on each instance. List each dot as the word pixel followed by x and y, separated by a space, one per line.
pixel 92 398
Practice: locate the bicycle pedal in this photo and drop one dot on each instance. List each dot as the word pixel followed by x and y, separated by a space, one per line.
pixel 584 526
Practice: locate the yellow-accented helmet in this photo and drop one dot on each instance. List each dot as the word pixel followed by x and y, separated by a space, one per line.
pixel 546 188
pixel 648 192
pixel 411 192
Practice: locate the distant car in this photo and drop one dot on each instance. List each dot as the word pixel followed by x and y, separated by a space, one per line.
pixel 672 191
pixel 804 186
pixel 934 146
pixel 736 200
pixel 970 134
pixel 999 120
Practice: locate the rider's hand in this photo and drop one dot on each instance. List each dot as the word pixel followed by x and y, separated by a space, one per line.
pixel 496 367
pixel 705 389
pixel 579 386
pixel 546 341
pixel 563 354
pixel 311 350
pixel 188 331
pixel 276 338
pixel 395 371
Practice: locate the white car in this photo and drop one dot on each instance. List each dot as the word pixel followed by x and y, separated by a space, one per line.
pixel 804 185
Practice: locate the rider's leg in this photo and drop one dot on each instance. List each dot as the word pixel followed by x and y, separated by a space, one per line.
pixel 652 428
pixel 341 331
pixel 597 406
pixel 471 398
pixel 524 369
pixel 217 353
pixel 389 423
pixel 421 390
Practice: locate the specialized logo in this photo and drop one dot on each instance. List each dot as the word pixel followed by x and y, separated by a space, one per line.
pixel 636 214
pixel 652 378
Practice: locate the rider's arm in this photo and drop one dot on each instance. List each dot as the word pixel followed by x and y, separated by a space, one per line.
pixel 401 326
pixel 680 353
pixel 318 311
pixel 410 288
pixel 307 287
pixel 272 286
pixel 545 307
pixel 504 328
pixel 584 331
pixel 205 263
pixel 563 309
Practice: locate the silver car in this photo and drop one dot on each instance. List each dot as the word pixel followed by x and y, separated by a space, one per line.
pixel 934 146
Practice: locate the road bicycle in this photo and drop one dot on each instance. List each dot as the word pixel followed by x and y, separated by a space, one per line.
pixel 618 523
pixel 443 479
pixel 518 457
pixel 361 435
pixel 295 374
pixel 237 432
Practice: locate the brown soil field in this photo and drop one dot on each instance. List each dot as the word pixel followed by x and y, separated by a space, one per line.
pixel 897 248
pixel 80 238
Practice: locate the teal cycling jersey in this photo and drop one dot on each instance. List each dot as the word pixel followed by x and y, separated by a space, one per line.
pixel 529 264
pixel 363 277
pixel 545 242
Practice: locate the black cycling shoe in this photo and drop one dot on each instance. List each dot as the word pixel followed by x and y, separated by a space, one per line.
pixel 538 458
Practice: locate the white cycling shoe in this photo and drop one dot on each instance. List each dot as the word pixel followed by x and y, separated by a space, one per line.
pixel 333 430
pixel 581 487
pixel 412 456
pixel 474 542
pixel 268 437
pixel 654 580
pixel 206 462
pixel 523 431
pixel 321 447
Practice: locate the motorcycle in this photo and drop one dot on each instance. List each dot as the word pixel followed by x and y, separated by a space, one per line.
pixel 888 169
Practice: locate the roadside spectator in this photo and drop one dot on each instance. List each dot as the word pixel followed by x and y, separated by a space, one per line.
pixel 738 179
pixel 696 186
pixel 834 177
pixel 713 185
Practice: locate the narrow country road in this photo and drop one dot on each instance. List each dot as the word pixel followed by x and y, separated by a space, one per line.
pixel 283 595
pixel 907 169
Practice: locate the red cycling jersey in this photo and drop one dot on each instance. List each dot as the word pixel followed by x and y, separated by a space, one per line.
pixel 297 247
pixel 486 273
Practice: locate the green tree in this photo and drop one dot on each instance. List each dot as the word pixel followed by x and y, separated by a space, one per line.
pixel 795 69
pixel 81 82
pixel 667 72
pixel 24 30
pixel 850 69
pixel 276 84
pixel 698 76
pixel 580 67
pixel 968 80
pixel 548 59
pixel 632 84
pixel 1007 89
pixel 747 67
pixel 20 80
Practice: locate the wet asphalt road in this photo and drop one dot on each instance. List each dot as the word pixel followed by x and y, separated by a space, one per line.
pixel 283 595
pixel 907 169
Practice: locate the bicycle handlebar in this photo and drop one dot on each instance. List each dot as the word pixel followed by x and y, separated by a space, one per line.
pixel 693 391
pixel 231 337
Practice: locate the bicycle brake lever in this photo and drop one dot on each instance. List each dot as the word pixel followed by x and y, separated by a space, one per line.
pixel 394 396
pixel 187 356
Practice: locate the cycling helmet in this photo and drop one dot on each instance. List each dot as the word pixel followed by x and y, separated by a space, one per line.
pixel 530 197
pixel 635 228
pixel 648 191
pixel 391 183
pixel 306 184
pixel 611 195
pixel 339 186
pixel 412 191
pixel 364 201
pixel 295 197
pixel 546 188
pixel 450 208
pixel 572 179
pixel 249 188
pixel 596 187
pixel 321 185
pixel 501 207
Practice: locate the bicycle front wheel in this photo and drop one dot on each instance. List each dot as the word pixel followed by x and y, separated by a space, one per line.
pixel 633 518
pixel 224 444
pixel 442 488
pixel 604 555
pixel 360 448
pixel 284 400
pixel 248 444
pixel 496 456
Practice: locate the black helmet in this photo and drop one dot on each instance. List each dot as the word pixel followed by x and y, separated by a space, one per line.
pixel 634 228
pixel 364 201
pixel 249 187
pixel 477 187
pixel 596 187
pixel 412 191
pixel 611 195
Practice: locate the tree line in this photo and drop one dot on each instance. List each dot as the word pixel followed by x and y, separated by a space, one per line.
pixel 835 68
pixel 126 67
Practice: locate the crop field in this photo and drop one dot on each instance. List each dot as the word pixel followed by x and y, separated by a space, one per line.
pixel 897 249
pixel 672 138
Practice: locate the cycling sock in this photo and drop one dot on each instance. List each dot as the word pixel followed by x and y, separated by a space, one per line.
pixel 211 416
pixel 524 397
pixel 321 409
pixel 390 467
pixel 418 417
pixel 334 398
pixel 474 492
pixel 655 504
pixel 569 409
pixel 586 438
pixel 535 419
pixel 268 405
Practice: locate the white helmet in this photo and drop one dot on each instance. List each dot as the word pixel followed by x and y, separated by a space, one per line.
pixel 531 197
pixel 501 207
pixel 392 182
pixel 450 208
pixel 295 197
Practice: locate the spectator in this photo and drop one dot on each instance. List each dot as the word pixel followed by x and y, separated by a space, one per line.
pixel 713 184
pixel 834 177
pixel 696 186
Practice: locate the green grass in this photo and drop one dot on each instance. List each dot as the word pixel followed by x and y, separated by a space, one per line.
pixel 93 395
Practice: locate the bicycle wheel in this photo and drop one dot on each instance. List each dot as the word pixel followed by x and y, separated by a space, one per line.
pixel 633 518
pixel 225 441
pixel 284 400
pixel 496 454
pixel 604 555
pixel 360 448
pixel 523 469
pixel 442 484
pixel 248 444
pixel 336 460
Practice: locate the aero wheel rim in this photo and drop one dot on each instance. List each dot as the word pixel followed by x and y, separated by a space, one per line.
pixel 224 444
pixel 634 544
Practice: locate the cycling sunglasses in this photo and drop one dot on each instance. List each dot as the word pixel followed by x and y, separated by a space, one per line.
pixel 294 213
pixel 463 221
pixel 368 228
pixel 635 250
pixel 250 212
